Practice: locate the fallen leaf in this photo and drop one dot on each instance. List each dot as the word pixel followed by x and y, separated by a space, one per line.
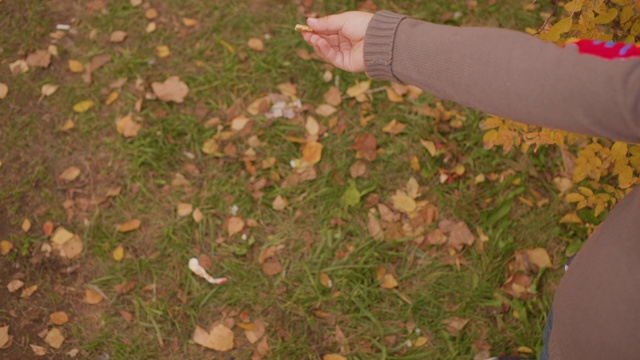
pixel 27 292
pixel 4 89
pixel 48 89
pixel 113 96
pixel 61 236
pixel 388 282
pixel 135 3
pixel 39 58
pixel 117 36
pixel 374 227
pixel 92 297
pixel 365 147
pixel 4 336
pixel 59 318
pixel 358 89
pixel 235 225
pixel 325 280
pixel 127 316
pixel 130 225
pixel 312 126
pixel 460 236
pixel 220 339
pixel 5 247
pixel 151 27
pixel 430 146
pixel 76 66
pixel 151 13
pixel 26 225
pixel 262 349
pixel 403 203
pixel 238 123
pixel 272 267
pixel 38 350
pixel 539 257
pixel 333 357
pixel 184 209
pixel 210 146
pixel 333 96
pixel 394 127
pixel 127 127
pixel 312 152
pixel 68 125
pixel 197 215
pixel 163 51
pixel 14 285
pixel 325 110
pixel 454 325
pixel 83 106
pixel 255 44
pixel 420 341
pixel 98 61
pixel 73 247
pixel 205 261
pixel 118 253
pixel 18 67
pixel 69 174
pixel 189 22
pixel 279 204
pixel 393 95
pixel 358 169
pixel 172 89
pixel 257 332
pixel 54 338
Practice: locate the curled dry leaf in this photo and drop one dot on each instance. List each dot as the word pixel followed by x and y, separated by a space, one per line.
pixel 325 280
pixel 238 123
pixel 69 174
pixel 135 3
pixel 255 44
pixel 59 318
pixel 151 27
pixel 172 89
pixel 4 90
pixel 118 36
pixel 72 248
pixel 130 225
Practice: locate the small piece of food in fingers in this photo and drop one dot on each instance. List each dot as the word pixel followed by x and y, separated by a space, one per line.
pixel 303 28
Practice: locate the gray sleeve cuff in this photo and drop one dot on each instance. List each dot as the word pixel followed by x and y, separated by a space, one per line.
pixel 378 45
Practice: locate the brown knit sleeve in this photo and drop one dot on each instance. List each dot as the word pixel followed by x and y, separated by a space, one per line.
pixel 509 74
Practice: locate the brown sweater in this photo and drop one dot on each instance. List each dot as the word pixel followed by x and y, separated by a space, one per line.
pixel 514 75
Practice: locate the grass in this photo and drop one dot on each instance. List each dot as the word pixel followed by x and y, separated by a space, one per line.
pixel 301 314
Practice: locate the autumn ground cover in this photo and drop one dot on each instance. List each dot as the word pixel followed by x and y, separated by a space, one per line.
pixel 350 218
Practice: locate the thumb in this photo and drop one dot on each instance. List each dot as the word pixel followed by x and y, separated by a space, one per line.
pixel 328 24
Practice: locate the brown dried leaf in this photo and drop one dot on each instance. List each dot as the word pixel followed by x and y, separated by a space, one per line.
pixel 27 292
pixel 403 203
pixel 127 316
pixel 333 96
pixel 254 335
pixel 184 209
pixel 127 127
pixel 76 66
pixel 61 236
pixel 99 61
pixel 460 236
pixel 4 336
pixel 18 67
pixel 388 282
pixel 375 230
pixel 365 147
pixel 235 225
pixel 325 110
pixel 39 58
pixel 48 89
pixel 255 44
pixel 358 169
pixel 455 324
pixel 188 22
pixel 197 215
pixel 312 152
pixel 172 89
pixel 358 89
pixel 72 248
pixel 394 127
pixel 272 267
pixel 220 339
pixel 5 247
pixel 4 89
pixel 38 350
pixel 333 357
pixel 14 285
pixel 280 203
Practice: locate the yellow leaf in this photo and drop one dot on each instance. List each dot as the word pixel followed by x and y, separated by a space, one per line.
pixel 118 253
pixel 312 152
pixel 571 218
pixel 92 297
pixel 574 6
pixel 27 292
pixel 490 123
pixel 83 106
pixel 606 17
pixel 26 225
pixel 358 89
pixel 127 127
pixel 76 66
pixel 4 89
pixel 54 338
pixel 5 247
pixel 388 282
pixel 415 163
pixel 325 280
pixel 49 89
pixel 255 44
pixel 70 173
pixel 561 27
pixel 420 341
pixel 625 177
pixel 220 339
pixel 393 96
pixel 333 357
pixel 59 318
pixel 189 22
pixel 68 125
pixel 130 225
pixel 403 203
pixel 113 96
pixel 210 147
pixel 430 146
pixel 163 51
pixel 574 197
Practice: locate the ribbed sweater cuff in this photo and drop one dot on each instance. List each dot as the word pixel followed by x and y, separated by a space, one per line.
pixel 378 45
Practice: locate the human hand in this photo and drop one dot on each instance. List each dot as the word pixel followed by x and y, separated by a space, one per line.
pixel 339 39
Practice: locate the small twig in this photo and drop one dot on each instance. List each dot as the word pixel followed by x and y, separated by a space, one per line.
pixel 548 19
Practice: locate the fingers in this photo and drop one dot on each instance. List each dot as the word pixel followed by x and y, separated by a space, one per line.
pixel 329 24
